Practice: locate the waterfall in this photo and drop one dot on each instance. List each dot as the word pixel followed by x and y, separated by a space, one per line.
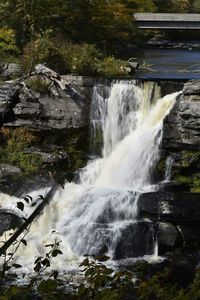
pixel 97 214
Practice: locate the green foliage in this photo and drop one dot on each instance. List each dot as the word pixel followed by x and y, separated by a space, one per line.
pixel 102 283
pixel 42 49
pixel 159 288
pixel 81 59
pixel 15 142
pixel 110 66
pixel 38 84
pixel 7 42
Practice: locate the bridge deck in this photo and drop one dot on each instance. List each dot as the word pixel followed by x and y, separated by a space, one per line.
pixel 167 21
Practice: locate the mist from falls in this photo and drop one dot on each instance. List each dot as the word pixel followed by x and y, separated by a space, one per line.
pixel 93 215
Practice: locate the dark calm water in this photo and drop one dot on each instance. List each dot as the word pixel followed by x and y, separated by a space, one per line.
pixel 169 63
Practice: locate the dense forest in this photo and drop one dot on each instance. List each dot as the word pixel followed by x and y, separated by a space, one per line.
pixel 57 32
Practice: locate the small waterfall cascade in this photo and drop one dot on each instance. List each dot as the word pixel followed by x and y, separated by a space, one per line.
pixel 98 214
pixel 168 168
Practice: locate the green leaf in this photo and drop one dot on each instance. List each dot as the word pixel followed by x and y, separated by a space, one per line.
pixel 20 205
pixel 38 259
pixel 56 252
pixel 102 258
pixel 28 198
pixel 84 263
pixel 17 266
pixel 37 267
pixel 46 262
pixel 55 274
pixel 49 245
pixel 6 268
pixel 24 242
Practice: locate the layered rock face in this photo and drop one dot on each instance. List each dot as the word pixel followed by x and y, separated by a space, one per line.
pixel 182 125
pixel 55 110
pixel 175 208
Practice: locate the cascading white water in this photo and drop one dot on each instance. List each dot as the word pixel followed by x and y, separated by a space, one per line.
pixel 91 216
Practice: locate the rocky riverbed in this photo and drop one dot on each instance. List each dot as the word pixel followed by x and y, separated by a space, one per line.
pixel 55 110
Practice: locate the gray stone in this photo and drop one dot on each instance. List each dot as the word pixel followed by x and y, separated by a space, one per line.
pixel 10 70
pixel 48 158
pixel 176 208
pixel 9 220
pixel 181 128
pixel 58 110
pixel 7 170
pixel 168 237
pixel 192 87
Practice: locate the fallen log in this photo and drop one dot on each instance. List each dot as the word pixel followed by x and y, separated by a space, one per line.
pixel 30 219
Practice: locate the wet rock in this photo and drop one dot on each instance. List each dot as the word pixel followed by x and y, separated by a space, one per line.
pixel 190 235
pixel 136 239
pixel 9 220
pixel 168 237
pixel 22 186
pixel 176 208
pixel 7 170
pixel 173 187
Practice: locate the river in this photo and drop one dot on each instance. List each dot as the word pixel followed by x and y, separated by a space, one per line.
pixel 168 64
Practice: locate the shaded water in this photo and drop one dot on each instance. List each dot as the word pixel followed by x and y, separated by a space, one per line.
pixel 168 64
pixel 93 215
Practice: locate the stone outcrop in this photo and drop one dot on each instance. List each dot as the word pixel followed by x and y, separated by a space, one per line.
pixel 10 70
pixel 182 125
pixel 8 98
pixel 46 103
pixel 176 208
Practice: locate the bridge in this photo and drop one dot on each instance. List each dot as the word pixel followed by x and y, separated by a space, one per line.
pixel 167 21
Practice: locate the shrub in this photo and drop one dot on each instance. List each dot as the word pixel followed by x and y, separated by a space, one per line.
pixel 81 59
pixel 65 57
pixel 8 43
pixel 42 49
pixel 15 142
pixel 38 84
pixel 110 66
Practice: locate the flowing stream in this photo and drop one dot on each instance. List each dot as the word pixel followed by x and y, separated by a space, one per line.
pixel 98 214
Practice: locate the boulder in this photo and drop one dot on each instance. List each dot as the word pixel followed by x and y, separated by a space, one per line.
pixel 176 208
pixel 9 220
pixel 10 70
pixel 135 239
pixel 168 237
pixel 181 128
pixel 7 170
pixel 22 186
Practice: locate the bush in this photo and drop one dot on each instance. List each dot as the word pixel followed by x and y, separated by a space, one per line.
pixel 110 66
pixel 8 43
pixel 65 57
pixel 15 143
pixel 43 49
pixel 81 59
pixel 38 84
